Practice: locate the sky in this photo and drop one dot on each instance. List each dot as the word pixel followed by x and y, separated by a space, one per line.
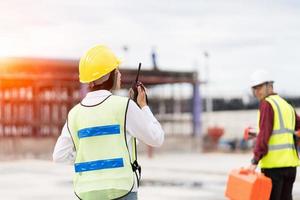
pixel 239 36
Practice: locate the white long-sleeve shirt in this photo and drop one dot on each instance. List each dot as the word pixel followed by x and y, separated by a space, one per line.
pixel 140 123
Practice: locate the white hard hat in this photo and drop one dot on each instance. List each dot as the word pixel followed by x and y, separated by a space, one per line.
pixel 259 77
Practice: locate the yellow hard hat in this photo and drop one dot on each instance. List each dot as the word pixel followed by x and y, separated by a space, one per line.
pixel 97 62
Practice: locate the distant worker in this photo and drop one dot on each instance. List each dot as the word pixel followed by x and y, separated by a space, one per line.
pixel 275 149
pixel 100 133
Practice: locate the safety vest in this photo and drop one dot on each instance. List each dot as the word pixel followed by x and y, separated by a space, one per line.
pixel 103 167
pixel 281 145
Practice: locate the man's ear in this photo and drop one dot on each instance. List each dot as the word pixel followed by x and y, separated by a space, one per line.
pixel 115 80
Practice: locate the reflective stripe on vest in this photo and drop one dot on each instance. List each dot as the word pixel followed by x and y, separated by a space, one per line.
pixel 281 147
pixel 102 166
pixel 99 164
pixel 99 130
pixel 281 130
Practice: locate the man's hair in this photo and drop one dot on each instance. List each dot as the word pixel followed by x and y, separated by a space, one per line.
pixel 107 85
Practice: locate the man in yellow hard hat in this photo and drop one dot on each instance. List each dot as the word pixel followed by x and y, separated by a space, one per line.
pixel 275 150
pixel 100 133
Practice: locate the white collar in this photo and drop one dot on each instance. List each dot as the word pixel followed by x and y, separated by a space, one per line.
pixel 95 97
pixel 98 93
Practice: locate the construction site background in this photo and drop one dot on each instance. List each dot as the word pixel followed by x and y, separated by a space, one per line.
pixel 233 124
pixel 199 151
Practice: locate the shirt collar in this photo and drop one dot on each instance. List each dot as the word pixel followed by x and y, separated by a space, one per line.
pixel 98 93
pixel 95 97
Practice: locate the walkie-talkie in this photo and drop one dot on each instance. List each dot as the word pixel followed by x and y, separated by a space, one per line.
pixel 136 84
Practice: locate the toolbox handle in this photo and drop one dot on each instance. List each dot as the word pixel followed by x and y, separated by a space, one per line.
pixel 245 171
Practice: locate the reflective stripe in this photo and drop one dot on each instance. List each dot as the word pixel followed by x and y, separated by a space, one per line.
pixel 99 164
pixel 284 130
pixel 99 130
pixel 281 124
pixel 281 146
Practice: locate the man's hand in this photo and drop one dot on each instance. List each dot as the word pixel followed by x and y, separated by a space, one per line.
pixel 141 98
pixel 252 167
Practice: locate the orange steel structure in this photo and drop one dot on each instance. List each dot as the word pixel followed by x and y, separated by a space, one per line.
pixel 36 94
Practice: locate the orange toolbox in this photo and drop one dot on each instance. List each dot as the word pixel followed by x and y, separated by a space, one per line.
pixel 243 184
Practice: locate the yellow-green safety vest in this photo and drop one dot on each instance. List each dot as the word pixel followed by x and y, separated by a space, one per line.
pixel 103 167
pixel 281 146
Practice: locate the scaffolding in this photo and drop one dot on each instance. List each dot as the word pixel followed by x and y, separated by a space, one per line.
pixel 36 95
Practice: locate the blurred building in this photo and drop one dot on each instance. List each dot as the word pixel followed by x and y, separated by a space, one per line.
pixel 36 95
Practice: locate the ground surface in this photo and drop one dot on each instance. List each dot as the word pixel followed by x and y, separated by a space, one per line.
pixel 173 176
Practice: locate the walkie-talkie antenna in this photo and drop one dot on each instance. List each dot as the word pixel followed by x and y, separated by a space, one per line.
pixel 138 73
pixel 137 84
